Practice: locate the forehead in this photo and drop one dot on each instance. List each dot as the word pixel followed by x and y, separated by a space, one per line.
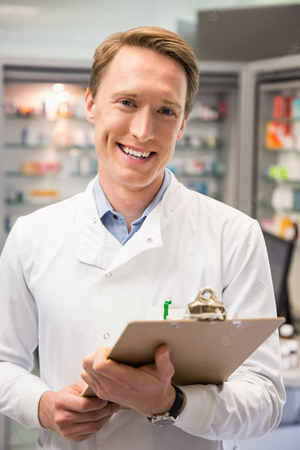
pixel 143 69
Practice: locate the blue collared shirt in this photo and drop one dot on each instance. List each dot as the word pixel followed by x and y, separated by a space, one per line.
pixel 114 221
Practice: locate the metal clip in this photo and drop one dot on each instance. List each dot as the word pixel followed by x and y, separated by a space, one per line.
pixel 206 306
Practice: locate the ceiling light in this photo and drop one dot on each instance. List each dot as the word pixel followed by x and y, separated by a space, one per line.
pixel 58 87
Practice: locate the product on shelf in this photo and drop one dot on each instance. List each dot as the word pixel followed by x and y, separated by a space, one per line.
pixel 198 186
pixel 206 112
pixel 280 136
pixel 40 167
pixel 296 108
pixel 43 195
pixel 282 198
pixel 297 199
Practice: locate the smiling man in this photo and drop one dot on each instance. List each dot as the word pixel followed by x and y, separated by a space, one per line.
pixel 74 274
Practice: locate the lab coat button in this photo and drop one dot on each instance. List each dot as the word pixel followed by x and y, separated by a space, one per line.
pixel 108 274
pixel 94 219
pixel 106 336
pixel 149 240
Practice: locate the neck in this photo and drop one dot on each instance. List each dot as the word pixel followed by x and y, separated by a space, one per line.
pixel 130 202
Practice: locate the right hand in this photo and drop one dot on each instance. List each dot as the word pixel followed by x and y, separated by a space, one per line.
pixel 75 418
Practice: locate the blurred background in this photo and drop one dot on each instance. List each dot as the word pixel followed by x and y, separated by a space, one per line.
pixel 241 145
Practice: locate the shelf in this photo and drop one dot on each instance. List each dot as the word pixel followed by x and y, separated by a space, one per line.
pixel 43 118
pixel 288 120
pixel 201 121
pixel 32 175
pixel 20 146
pixel 28 204
pixel 199 175
pixel 48 175
pixel 273 151
pixel 280 181
pixel 269 207
pixel 197 148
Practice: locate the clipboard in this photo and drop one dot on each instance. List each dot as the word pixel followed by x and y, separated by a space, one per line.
pixel 203 352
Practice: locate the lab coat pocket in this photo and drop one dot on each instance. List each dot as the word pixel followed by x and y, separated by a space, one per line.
pixel 157 313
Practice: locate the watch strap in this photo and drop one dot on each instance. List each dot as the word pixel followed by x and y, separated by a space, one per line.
pixel 173 413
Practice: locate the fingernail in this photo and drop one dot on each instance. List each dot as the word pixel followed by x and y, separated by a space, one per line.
pixel 165 355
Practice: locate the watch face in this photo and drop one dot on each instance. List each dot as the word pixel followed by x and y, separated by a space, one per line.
pixel 164 421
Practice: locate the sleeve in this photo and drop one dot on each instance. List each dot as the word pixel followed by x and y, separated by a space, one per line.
pixel 249 403
pixel 20 391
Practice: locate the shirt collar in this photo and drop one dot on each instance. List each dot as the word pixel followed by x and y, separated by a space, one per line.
pixel 104 206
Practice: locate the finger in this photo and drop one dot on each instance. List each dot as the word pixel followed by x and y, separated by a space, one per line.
pixel 98 357
pixel 67 402
pixel 92 416
pixel 165 368
pixel 79 430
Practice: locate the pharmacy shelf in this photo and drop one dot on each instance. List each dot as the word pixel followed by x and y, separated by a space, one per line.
pixel 268 206
pixel 273 151
pixel 199 175
pixel 21 146
pixel 280 181
pixel 289 120
pixel 197 148
pixel 29 204
pixel 44 118
pixel 47 175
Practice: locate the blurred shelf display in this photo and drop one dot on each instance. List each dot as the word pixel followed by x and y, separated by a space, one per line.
pixel 48 145
pixel 200 160
pixel 284 150
pixel 21 146
pixel 270 207
pixel 276 198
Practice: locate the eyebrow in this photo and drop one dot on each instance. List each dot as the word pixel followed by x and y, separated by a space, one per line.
pixel 165 100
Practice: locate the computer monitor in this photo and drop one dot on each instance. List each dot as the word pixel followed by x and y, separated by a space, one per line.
pixel 280 253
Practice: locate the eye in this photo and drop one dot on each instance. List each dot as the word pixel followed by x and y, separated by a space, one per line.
pixel 167 112
pixel 126 102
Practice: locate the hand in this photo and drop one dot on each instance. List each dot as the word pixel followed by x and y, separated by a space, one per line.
pixel 75 418
pixel 146 389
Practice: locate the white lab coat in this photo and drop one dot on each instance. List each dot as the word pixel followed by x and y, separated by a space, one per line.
pixel 69 286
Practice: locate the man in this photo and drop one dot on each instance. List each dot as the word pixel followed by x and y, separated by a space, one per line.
pixel 74 274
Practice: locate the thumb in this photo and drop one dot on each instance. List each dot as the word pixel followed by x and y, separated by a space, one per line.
pixel 163 362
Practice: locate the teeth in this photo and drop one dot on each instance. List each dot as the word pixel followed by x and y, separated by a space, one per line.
pixel 131 152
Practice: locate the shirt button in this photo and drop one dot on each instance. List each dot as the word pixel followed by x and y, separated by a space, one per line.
pixel 108 274
pixel 106 336
pixel 115 216
pixel 149 240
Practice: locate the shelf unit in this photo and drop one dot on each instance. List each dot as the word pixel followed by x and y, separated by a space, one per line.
pixel 277 169
pixel 206 158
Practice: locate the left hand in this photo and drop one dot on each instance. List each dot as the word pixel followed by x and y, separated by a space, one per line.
pixel 146 389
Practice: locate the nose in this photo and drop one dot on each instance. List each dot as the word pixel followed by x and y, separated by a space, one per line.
pixel 142 125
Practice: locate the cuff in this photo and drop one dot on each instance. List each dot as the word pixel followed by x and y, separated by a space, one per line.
pixel 199 410
pixel 27 402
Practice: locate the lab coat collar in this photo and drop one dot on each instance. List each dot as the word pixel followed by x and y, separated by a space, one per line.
pixel 100 248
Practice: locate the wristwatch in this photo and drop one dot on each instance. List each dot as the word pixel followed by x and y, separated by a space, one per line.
pixel 170 417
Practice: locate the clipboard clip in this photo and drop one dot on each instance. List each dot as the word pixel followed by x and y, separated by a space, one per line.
pixel 206 306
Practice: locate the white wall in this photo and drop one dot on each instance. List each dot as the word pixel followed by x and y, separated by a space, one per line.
pixel 72 29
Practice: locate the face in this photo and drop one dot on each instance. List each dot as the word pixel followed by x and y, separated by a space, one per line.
pixel 138 114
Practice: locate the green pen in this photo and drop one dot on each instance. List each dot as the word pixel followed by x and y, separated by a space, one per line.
pixel 166 308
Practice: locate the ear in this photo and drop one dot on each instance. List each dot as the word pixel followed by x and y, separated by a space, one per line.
pixel 89 106
pixel 182 128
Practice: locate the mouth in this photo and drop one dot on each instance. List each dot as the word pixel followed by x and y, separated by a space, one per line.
pixel 134 153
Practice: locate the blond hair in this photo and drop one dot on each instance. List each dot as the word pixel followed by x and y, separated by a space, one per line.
pixel 158 39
